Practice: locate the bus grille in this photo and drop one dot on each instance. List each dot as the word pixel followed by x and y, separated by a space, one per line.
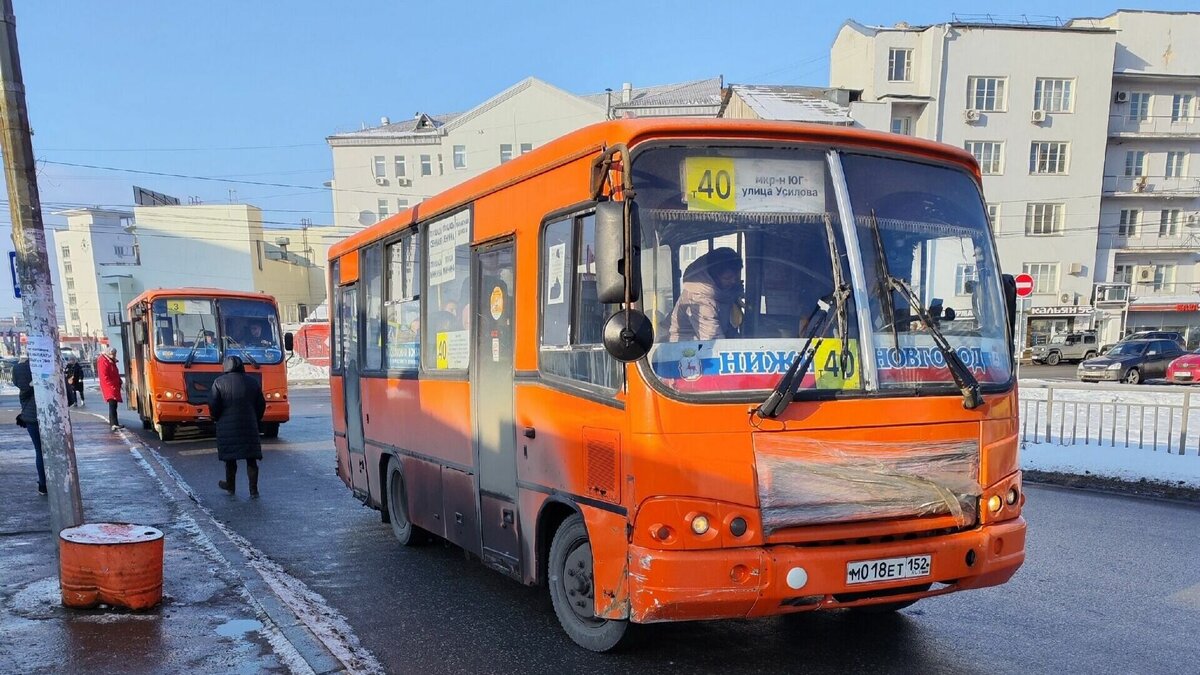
pixel 602 447
pixel 199 383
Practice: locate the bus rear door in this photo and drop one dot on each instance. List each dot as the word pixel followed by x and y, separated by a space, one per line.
pixel 348 329
pixel 492 399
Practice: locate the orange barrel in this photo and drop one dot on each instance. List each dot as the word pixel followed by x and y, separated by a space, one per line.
pixel 118 564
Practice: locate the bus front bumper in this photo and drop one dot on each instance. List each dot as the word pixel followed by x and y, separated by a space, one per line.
pixel 762 581
pixel 186 413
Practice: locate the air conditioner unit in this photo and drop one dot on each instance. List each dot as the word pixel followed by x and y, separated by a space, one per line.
pixel 971 115
pixel 1121 97
pixel 404 182
pixel 1064 298
pixel 380 180
pixel 1076 268
pixel 1038 116
pixel 1143 274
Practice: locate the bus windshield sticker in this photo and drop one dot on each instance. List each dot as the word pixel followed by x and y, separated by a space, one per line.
pixel 748 184
pixel 452 350
pixel 189 307
pixel 554 278
pixel 496 303
pixel 445 236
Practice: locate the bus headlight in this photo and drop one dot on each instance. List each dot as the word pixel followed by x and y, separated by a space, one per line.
pixel 994 503
pixel 700 524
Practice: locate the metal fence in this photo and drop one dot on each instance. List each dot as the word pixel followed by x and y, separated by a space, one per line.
pixel 1156 418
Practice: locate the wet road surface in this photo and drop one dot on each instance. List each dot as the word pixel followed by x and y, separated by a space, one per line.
pixel 1111 584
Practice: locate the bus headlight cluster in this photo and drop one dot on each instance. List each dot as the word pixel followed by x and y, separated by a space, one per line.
pixel 172 395
pixel 276 395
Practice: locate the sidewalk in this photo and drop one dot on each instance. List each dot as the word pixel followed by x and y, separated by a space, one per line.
pixel 217 615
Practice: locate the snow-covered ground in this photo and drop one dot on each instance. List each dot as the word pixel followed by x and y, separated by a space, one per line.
pixel 302 373
pixel 1128 464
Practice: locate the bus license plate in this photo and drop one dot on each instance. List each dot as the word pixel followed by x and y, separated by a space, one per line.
pixel 887 569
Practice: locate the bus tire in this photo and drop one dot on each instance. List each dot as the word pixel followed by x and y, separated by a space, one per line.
pixel 147 417
pixel 397 503
pixel 572 589
pixel 166 431
pixel 270 429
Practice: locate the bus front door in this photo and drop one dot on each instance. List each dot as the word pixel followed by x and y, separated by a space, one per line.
pixel 348 330
pixel 492 400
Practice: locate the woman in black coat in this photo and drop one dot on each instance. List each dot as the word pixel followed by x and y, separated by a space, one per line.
pixel 237 405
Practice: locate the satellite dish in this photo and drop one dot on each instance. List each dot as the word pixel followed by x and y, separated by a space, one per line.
pixel 366 218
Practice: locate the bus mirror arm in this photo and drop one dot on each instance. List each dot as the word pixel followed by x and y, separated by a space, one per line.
pixel 1010 303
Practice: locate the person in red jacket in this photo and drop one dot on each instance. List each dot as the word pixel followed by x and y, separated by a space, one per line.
pixel 110 384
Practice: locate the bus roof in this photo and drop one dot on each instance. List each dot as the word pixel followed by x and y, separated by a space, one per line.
pixel 197 291
pixel 591 139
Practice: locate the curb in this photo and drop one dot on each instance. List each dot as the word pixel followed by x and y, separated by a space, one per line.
pixel 290 626
pixel 1144 488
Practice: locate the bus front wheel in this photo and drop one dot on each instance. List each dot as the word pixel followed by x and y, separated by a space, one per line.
pixel 572 589
pixel 270 429
pixel 397 503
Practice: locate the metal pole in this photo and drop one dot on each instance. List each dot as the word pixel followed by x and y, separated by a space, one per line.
pixel 37 294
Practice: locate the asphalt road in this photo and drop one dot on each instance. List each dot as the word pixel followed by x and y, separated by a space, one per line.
pixel 1111 585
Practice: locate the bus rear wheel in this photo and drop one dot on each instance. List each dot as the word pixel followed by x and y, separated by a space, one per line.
pixel 572 589
pixel 270 429
pixel 165 430
pixel 147 416
pixel 397 503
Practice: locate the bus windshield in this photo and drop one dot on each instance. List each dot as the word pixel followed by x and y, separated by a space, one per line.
pixel 744 257
pixel 251 330
pixel 183 327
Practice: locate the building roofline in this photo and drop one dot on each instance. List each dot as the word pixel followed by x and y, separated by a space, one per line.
pixel 91 210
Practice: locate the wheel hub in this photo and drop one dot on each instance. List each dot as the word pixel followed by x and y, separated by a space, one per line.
pixel 578 583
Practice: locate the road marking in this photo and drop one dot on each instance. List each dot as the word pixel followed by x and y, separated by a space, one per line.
pixel 201 451
pixel 1188 597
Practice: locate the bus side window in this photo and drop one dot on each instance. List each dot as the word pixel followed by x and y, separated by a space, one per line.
pixel 402 309
pixel 373 295
pixel 335 312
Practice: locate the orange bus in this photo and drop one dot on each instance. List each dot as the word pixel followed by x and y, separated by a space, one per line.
pixel 175 340
pixel 691 369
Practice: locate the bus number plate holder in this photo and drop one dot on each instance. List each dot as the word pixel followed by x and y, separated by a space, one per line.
pixel 888 569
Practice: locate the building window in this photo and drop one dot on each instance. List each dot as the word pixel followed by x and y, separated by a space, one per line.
pixel 1130 219
pixel 441 171
pixel 986 93
pixel 1168 222
pixel 505 152
pixel 989 154
pixel 71 300
pixel 1042 219
pixel 526 147
pixel 1045 276
pixel 1122 274
pixel 66 252
pixel 1052 95
pixel 1176 160
pixel 401 204
pixel 993 211
pixel 67 267
pixel 426 165
pixel 1139 106
pixel 378 164
pixel 1181 108
pixel 75 317
pixel 899 65
pixel 460 156
pixel 383 208
pixel 1135 163
pixel 400 168
pixel 964 279
pixel 1048 157
pixel 1164 277
pixel 70 284
pixel 902 125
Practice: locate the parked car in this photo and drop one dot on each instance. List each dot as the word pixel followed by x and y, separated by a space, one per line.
pixel 1185 369
pixel 1174 336
pixel 1131 361
pixel 1068 347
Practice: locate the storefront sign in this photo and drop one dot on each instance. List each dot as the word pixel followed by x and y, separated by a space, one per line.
pixel 1059 311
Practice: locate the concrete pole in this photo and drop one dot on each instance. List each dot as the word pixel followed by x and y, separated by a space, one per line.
pixel 37 293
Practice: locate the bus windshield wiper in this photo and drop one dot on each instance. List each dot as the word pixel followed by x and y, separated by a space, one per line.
pixel 966 382
pixel 785 389
pixel 242 348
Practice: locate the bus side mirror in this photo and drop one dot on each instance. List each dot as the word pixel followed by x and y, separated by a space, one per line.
pixel 289 342
pixel 611 266
pixel 1010 303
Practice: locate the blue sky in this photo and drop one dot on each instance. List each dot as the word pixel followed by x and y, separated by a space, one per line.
pixel 247 91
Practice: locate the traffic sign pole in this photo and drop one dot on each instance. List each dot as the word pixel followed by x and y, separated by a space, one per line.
pixel 1024 284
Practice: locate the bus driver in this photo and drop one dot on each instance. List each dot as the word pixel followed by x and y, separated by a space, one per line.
pixel 710 297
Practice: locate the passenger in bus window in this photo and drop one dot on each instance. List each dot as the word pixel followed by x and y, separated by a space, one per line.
pixel 710 297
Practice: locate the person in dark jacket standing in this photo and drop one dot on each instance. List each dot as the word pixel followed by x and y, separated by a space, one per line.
pixel 22 379
pixel 110 384
pixel 236 404
pixel 75 379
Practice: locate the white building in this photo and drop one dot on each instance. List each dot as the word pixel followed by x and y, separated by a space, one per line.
pixel 382 170
pixel 1031 103
pixel 107 257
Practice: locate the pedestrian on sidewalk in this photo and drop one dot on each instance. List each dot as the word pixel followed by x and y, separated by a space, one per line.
pixel 75 378
pixel 110 384
pixel 22 379
pixel 70 388
pixel 236 404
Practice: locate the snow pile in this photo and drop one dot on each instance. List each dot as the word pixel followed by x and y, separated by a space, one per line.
pixel 299 370
pixel 1121 463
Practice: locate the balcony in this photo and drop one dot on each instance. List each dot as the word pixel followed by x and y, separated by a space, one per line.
pixel 1149 240
pixel 1158 187
pixel 1149 296
pixel 1158 126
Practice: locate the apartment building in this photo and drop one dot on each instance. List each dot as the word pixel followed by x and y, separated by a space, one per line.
pixel 382 170
pixel 1031 103
pixel 107 257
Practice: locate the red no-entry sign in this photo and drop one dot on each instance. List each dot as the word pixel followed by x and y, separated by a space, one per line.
pixel 1024 285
